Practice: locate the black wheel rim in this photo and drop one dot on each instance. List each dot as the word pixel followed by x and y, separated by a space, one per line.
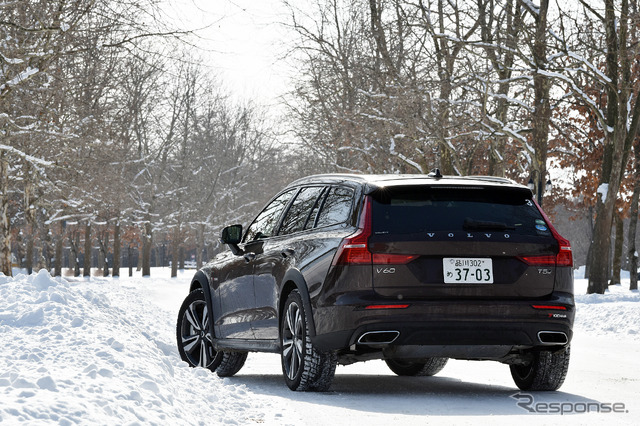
pixel 196 338
pixel 523 371
pixel 292 341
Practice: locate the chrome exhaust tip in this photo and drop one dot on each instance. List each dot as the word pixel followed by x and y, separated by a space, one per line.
pixel 373 338
pixel 553 338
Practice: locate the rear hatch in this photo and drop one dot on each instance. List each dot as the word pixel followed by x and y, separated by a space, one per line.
pixel 454 241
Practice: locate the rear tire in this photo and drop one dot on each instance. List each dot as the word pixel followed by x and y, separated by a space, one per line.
pixel 427 367
pixel 195 341
pixel 546 371
pixel 305 367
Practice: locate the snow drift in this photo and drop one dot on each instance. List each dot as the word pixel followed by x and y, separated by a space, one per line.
pixel 98 352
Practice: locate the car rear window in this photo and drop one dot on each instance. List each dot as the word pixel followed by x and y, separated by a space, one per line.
pixel 407 210
pixel 336 207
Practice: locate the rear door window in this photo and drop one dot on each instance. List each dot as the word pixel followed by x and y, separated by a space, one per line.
pixel 336 207
pixel 298 214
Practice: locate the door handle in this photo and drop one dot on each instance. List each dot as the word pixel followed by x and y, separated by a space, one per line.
pixel 248 257
pixel 288 252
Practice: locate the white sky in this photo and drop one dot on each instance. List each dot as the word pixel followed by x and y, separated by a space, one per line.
pixel 245 44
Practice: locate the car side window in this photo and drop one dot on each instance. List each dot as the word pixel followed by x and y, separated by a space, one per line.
pixel 300 209
pixel 264 225
pixel 311 220
pixel 336 207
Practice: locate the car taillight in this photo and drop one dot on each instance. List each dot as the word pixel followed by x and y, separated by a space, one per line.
pixel 354 249
pixel 564 257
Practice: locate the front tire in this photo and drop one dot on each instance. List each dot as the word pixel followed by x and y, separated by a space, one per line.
pixel 195 341
pixel 427 367
pixel 305 368
pixel 545 372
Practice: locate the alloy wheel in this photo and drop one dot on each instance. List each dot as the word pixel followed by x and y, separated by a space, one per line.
pixel 293 340
pixel 195 336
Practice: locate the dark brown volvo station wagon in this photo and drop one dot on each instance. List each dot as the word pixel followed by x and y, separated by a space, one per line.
pixel 412 269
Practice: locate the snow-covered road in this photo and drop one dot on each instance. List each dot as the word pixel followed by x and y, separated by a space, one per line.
pixel 103 352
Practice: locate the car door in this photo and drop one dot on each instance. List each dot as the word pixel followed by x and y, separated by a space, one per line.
pixel 236 290
pixel 235 294
pixel 279 254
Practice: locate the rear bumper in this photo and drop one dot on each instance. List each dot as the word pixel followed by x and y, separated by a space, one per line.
pixel 506 324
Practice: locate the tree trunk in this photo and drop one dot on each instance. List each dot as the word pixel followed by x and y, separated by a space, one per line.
pixel 633 225
pixel 503 66
pixel 541 115
pixel 46 251
pixel 175 251
pixel 57 266
pixel 146 249
pixel 87 250
pixel 116 249
pixel 105 266
pixel 5 224
pixel 601 245
pixel 101 251
pixel 130 257
pixel 199 245
pixel 617 252
pixel 181 257
pixel 74 241
pixel 618 140
pixel 29 257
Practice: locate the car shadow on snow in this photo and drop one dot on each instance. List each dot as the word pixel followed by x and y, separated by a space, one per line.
pixel 437 396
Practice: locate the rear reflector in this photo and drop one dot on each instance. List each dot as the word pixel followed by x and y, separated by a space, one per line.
pixel 557 307
pixel 386 307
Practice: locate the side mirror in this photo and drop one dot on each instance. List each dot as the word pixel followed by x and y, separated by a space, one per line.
pixel 232 236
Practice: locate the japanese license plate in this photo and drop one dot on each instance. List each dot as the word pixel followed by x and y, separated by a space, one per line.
pixel 465 270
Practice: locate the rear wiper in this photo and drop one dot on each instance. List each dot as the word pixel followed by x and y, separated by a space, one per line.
pixel 480 225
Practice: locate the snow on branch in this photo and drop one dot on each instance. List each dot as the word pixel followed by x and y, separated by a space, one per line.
pixel 392 150
pixel 11 61
pixel 507 130
pixel 589 65
pixel 31 159
pixel 535 10
pixel 577 90
pixel 23 76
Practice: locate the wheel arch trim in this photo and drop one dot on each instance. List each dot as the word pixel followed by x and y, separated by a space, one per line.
pixel 295 276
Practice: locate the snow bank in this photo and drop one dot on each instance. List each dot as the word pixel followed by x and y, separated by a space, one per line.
pixel 99 352
pixel 615 313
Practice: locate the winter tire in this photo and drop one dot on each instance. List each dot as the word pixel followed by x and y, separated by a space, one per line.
pixel 545 372
pixel 231 363
pixel 426 367
pixel 195 342
pixel 305 368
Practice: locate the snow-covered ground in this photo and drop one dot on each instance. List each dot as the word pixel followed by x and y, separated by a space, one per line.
pixel 102 351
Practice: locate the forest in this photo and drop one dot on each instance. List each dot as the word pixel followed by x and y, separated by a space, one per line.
pixel 120 148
